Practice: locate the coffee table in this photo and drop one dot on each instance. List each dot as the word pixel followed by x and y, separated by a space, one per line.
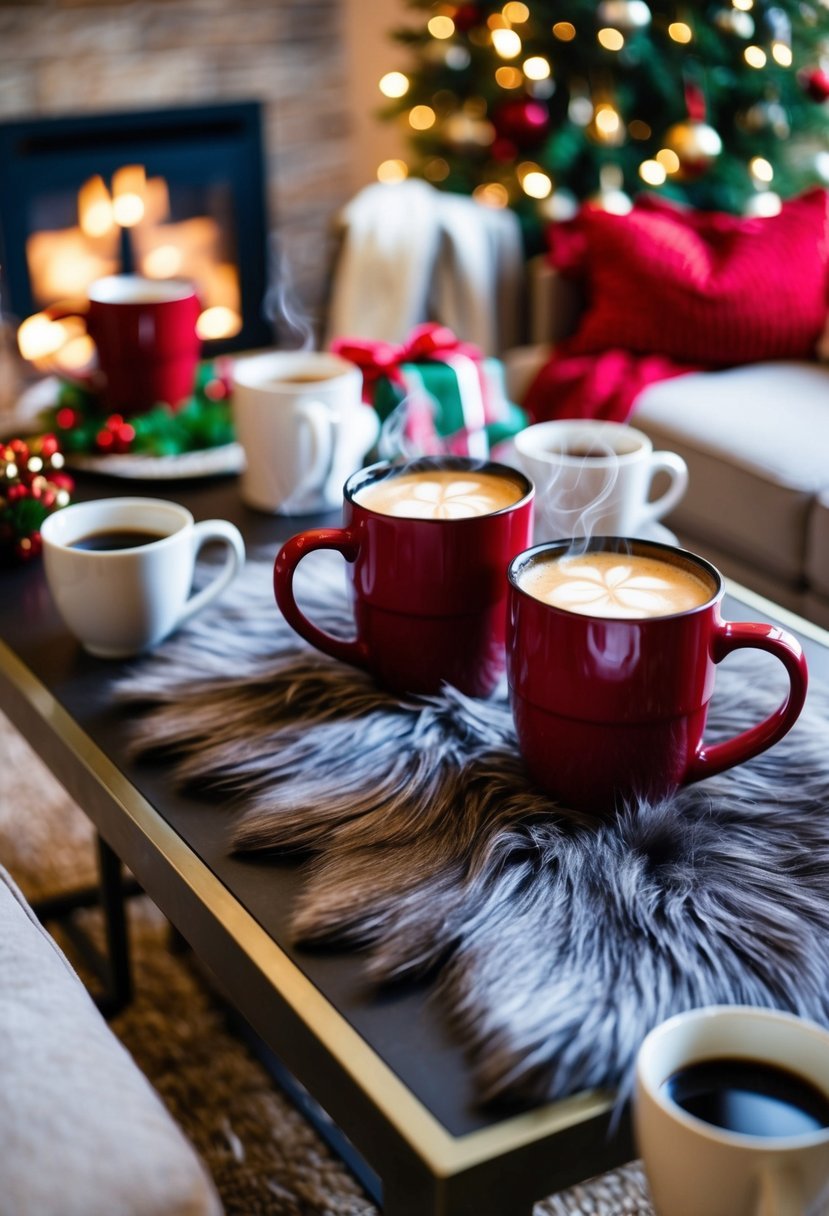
pixel 381 1076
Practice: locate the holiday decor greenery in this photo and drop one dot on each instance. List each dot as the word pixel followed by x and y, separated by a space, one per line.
pixel 542 104
pixel 204 421
pixel 32 486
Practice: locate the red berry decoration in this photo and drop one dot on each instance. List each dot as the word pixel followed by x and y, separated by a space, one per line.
pixel 522 120
pixel 32 485
pixel 815 83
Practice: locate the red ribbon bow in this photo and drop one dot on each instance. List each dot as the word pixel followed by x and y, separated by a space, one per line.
pixel 383 359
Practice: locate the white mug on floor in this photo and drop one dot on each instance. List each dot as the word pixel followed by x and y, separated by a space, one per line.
pixel 594 478
pixel 300 418
pixel 120 570
pixel 698 1167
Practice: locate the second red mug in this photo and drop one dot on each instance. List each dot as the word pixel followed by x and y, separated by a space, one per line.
pixel 428 546
pixel 145 337
pixel 611 654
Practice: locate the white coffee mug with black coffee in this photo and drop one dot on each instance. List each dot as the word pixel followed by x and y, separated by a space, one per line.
pixel 731 1113
pixel 120 570
pixel 594 478
pixel 301 421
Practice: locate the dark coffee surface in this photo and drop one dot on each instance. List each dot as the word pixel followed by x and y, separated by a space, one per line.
pixel 749 1097
pixel 117 538
pixel 582 452
pixel 300 378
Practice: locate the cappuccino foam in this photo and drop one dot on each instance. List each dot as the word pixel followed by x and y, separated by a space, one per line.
pixel 615 585
pixel 440 494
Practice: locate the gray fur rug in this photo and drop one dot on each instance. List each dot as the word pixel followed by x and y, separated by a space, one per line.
pixel 556 943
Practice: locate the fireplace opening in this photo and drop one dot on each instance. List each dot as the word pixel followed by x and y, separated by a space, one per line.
pixel 174 193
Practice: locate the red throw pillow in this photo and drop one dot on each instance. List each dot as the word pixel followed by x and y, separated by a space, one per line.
pixel 700 287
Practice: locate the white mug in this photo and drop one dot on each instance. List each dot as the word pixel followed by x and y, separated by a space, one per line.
pixel 696 1168
pixel 300 418
pixel 594 478
pixel 132 587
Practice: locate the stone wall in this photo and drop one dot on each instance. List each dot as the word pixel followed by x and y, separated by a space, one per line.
pixel 72 56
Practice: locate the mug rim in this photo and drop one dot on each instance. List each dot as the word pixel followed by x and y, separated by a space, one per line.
pixel 295 357
pixel 381 469
pixel 52 523
pixel 169 290
pixel 603 544
pixel 738 1014
pixel 644 446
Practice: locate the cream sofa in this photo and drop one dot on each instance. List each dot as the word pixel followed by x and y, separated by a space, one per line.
pixel 82 1132
pixel 756 441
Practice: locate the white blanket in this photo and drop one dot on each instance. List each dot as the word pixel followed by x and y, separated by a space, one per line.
pixel 410 253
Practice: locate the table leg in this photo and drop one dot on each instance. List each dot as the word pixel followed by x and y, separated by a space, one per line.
pixel 114 908
pixel 112 967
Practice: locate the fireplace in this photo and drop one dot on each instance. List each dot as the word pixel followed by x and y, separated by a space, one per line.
pixel 173 193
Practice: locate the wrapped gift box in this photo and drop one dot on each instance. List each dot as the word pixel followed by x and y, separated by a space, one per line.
pixel 451 398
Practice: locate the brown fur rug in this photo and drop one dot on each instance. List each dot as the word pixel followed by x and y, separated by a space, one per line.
pixel 559 942
pixel 265 1159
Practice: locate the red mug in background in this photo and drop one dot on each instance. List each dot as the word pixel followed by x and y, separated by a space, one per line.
pixel 144 332
pixel 429 589
pixel 611 657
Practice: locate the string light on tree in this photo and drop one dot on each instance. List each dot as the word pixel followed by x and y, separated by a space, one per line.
pixel 649 94
pixel 624 15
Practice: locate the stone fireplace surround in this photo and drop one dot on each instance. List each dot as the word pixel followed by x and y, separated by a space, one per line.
pixel 62 57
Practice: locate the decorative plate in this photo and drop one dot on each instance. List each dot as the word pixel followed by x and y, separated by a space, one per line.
pixel 209 462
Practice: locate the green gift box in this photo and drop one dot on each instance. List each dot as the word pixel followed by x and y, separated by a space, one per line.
pixel 445 384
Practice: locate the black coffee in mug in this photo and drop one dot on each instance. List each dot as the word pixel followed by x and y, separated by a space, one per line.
pixel 750 1097
pixel 117 538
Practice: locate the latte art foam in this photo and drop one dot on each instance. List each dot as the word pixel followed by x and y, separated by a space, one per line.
pixel 615 585
pixel 440 494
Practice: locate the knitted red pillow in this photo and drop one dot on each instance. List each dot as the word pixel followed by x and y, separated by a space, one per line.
pixel 700 287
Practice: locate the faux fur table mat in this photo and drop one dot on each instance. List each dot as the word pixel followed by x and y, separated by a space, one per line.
pixel 557 942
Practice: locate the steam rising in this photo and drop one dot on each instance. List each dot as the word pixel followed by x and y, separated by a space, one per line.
pixel 567 504
pixel 281 307
pixel 410 432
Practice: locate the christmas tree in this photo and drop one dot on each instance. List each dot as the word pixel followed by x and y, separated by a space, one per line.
pixel 539 105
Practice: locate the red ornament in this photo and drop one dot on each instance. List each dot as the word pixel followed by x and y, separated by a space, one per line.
pixel 466 17
pixel 523 120
pixel 504 150
pixel 815 84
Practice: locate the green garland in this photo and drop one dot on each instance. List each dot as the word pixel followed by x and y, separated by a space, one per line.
pixel 205 421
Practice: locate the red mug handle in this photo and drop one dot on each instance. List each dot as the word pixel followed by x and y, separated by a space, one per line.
pixel 343 541
pixel 736 635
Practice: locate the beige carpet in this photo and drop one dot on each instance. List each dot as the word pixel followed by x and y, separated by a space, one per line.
pixel 266 1160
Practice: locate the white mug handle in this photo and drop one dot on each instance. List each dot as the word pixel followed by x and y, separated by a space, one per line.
pixel 778 1193
pixel 365 426
pixel 322 423
pixel 677 470
pixel 231 537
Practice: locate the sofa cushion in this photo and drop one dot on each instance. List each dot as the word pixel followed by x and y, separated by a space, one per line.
pixel 755 440
pixel 82 1130
pixel 699 287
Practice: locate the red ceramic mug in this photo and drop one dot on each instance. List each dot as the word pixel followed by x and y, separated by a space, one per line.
pixel 429 593
pixel 145 337
pixel 609 702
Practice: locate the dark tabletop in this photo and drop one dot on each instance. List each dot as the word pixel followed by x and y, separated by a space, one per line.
pixel 405 1026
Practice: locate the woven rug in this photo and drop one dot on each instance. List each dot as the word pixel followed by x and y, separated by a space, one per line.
pixel 264 1158
pixel 556 942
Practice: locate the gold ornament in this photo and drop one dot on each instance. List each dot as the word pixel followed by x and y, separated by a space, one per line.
pixel 696 145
